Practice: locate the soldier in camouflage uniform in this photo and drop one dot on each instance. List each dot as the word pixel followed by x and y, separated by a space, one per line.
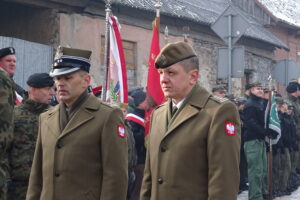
pixel 7 98
pixel 292 99
pixel 25 133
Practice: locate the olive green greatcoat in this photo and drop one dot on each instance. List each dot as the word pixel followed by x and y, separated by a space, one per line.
pixel 191 157
pixel 88 160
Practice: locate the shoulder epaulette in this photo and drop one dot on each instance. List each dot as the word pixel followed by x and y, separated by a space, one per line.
pixel 219 99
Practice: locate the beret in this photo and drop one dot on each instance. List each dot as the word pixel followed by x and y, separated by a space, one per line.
pixel 173 53
pixel 68 60
pixel 292 87
pixel 7 51
pixel 40 80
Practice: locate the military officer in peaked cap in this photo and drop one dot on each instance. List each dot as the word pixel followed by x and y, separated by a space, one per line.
pixel 81 150
pixel 194 144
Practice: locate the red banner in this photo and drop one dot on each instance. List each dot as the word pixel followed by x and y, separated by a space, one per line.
pixel 155 95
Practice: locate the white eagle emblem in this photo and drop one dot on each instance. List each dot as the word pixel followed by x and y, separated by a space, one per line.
pixel 230 129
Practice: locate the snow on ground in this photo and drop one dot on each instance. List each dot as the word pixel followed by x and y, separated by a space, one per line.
pixel 294 196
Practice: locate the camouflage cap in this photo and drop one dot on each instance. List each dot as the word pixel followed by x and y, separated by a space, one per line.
pixel 7 51
pixel 173 53
pixel 68 60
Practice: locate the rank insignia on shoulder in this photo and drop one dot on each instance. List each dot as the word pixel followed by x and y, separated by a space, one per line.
pixel 121 131
pixel 230 128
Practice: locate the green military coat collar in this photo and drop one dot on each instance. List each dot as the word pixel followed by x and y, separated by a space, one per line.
pixel 82 116
pixel 196 100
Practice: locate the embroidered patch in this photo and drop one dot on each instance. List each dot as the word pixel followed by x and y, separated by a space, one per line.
pixel 229 128
pixel 121 131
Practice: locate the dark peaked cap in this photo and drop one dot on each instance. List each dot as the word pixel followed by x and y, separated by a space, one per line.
pixel 7 51
pixel 68 60
pixel 173 53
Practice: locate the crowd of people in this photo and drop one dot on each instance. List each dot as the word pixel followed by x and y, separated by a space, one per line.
pixel 254 162
pixel 60 141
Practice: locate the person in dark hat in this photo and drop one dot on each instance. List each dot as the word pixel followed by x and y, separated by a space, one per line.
pixel 81 150
pixel 254 136
pixel 247 90
pixel 137 123
pixel 240 103
pixel 8 64
pixel 8 60
pixel 194 140
pixel 26 115
pixel 293 93
pixel 7 99
pixel 219 91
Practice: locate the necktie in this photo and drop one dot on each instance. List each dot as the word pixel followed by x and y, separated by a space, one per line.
pixel 174 109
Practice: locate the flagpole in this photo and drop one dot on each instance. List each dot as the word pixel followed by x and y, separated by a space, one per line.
pixel 158 5
pixel 106 49
pixel 270 157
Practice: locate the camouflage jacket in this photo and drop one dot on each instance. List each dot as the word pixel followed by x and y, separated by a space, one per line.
pixel 291 100
pixel 7 97
pixel 26 116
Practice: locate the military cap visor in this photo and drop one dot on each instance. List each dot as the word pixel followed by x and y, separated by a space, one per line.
pixel 70 60
pixel 174 53
pixel 7 51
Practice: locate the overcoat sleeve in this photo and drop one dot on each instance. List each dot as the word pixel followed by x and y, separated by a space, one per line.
pixel 114 155
pixel 36 177
pixel 223 153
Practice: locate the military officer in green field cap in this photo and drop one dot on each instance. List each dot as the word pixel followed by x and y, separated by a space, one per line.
pixel 81 151
pixel 192 153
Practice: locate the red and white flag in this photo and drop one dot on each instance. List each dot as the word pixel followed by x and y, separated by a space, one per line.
pixel 117 89
pixel 155 95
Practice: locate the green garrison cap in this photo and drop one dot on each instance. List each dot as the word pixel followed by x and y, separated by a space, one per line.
pixel 68 60
pixel 173 53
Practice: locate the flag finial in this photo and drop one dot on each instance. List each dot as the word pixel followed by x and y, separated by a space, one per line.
pixel 158 5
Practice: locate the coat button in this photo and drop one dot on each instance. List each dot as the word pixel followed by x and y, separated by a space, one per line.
pixel 59 145
pixel 160 180
pixel 57 174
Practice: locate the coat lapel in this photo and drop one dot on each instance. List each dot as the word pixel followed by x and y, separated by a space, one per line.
pixel 82 116
pixel 186 113
pixel 192 107
pixel 53 118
